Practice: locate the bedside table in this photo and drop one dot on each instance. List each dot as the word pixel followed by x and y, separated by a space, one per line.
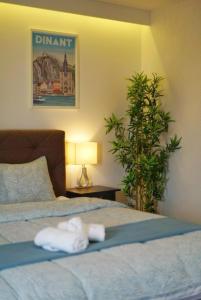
pixel 97 191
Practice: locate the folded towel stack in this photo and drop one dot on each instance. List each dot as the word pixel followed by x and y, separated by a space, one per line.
pixel 94 232
pixel 71 236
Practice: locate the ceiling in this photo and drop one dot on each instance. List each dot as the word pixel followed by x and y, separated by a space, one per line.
pixel 132 11
pixel 140 4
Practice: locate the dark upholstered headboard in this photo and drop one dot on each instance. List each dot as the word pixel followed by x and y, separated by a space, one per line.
pixel 21 146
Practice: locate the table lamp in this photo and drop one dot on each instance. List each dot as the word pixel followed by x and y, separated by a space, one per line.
pixel 82 154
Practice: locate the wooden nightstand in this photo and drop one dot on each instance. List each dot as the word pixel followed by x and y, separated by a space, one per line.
pixel 98 191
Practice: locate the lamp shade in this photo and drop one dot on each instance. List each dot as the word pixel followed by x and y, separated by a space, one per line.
pixel 86 153
pixel 81 153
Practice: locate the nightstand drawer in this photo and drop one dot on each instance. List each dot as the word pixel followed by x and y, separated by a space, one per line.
pixel 110 195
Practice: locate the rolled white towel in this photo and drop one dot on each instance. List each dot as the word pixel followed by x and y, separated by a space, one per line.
pixel 95 232
pixel 73 225
pixel 54 239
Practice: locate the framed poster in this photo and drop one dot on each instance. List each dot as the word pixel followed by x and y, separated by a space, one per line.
pixel 54 70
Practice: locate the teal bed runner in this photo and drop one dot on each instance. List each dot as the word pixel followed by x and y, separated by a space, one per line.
pixel 22 253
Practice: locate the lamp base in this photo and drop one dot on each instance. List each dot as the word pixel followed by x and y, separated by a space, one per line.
pixel 83 182
pixel 83 187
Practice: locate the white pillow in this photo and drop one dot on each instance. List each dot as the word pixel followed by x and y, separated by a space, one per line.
pixel 25 182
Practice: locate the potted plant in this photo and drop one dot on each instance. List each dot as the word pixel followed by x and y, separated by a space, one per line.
pixel 139 143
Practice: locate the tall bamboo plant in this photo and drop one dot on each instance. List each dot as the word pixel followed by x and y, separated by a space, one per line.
pixel 139 142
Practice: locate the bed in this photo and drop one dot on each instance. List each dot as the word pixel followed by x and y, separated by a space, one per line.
pixel 162 268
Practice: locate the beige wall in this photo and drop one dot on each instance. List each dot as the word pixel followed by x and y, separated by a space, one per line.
pixel 172 47
pixel 109 51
